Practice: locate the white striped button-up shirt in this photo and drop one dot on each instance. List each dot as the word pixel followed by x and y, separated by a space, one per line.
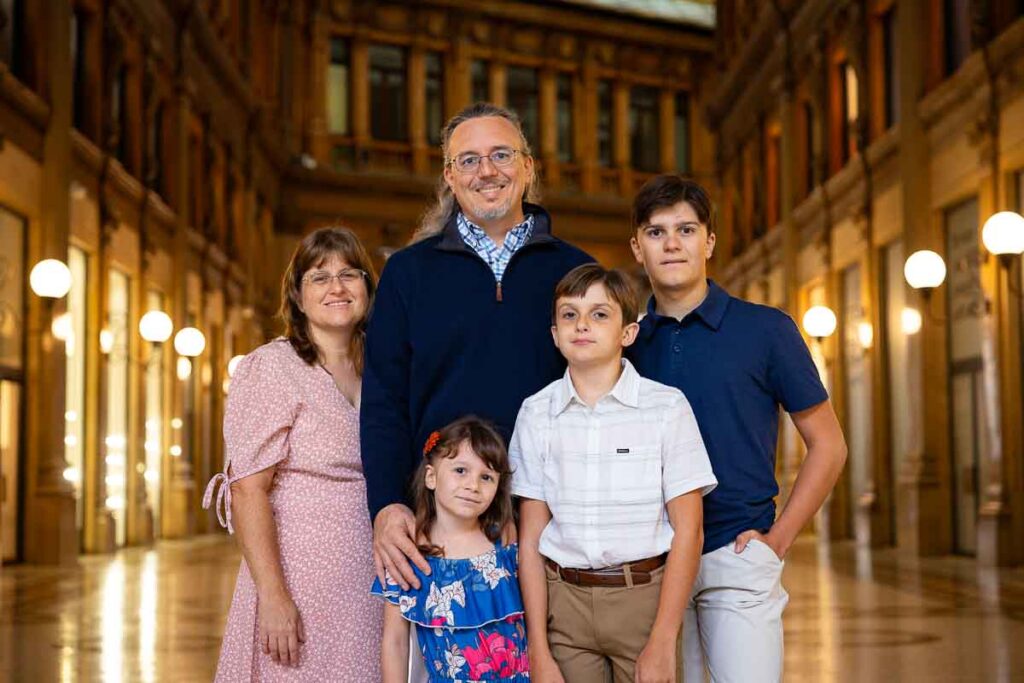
pixel 606 472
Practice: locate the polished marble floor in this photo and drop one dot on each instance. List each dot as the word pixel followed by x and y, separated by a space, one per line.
pixel 156 615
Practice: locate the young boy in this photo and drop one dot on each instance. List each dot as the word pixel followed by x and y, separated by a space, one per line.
pixel 737 362
pixel 610 468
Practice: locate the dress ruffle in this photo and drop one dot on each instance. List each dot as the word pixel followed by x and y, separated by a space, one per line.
pixel 460 593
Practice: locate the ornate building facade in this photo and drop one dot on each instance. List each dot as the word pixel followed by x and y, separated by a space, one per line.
pixel 171 152
pixel 849 135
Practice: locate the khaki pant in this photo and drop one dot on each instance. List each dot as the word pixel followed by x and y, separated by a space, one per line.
pixel 597 631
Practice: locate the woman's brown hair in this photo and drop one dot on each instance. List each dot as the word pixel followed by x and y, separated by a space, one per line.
pixel 489 446
pixel 313 251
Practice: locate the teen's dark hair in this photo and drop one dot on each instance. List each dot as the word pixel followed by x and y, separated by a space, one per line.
pixel 620 289
pixel 313 251
pixel 485 441
pixel 666 190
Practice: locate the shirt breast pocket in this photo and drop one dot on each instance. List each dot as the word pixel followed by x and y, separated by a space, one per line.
pixel 634 473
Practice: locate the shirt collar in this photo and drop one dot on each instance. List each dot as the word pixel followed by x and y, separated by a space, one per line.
pixel 626 390
pixel 711 311
pixel 468 226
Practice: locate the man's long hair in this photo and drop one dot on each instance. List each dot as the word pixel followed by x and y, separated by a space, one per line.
pixel 445 207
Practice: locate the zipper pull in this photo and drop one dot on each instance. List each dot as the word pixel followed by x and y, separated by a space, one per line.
pixel 498 297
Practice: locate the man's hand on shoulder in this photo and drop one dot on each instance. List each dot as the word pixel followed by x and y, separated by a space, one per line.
pixel 394 546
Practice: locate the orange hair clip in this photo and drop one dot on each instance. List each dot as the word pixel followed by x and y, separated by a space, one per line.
pixel 431 442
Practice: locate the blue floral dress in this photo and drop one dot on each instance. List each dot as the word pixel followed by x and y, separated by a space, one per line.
pixel 468 616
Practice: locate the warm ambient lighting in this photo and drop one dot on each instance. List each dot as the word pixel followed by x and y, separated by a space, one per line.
pixel 819 322
pixel 865 334
pixel 50 279
pixel 1003 234
pixel 233 365
pixel 184 369
pixel 106 341
pixel 910 320
pixel 156 327
pixel 190 342
pixel 924 270
pixel 61 327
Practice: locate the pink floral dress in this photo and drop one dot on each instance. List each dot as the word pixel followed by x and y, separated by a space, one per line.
pixel 281 411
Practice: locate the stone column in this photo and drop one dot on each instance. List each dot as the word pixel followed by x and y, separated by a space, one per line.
pixel 548 111
pixel 586 126
pixel 620 137
pixel 499 82
pixel 417 112
pixel 924 517
pixel 360 97
pixel 49 533
pixel 667 129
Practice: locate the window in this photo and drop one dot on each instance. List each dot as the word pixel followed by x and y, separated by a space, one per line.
pixel 387 93
pixel 605 109
pixel 155 150
pixel 849 110
pixel 154 443
pixel 75 345
pixel 809 149
pixel 522 99
pixel 892 74
pixel 643 128
pixel 338 88
pixel 79 85
pixel 435 97
pixel 116 439
pixel 12 19
pixel 118 111
pixel 956 22
pixel 682 132
pixel 565 137
pixel 480 80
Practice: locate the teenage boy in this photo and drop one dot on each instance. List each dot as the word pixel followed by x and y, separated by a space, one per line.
pixel 610 468
pixel 737 362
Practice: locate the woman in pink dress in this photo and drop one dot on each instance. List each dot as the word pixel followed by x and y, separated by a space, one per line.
pixel 293 488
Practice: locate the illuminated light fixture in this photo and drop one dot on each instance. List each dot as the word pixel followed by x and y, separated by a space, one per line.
pixel 115 441
pixel 865 334
pixel 71 416
pixel 924 270
pixel 189 342
pixel 176 423
pixel 50 279
pixel 184 368
pixel 910 321
pixel 819 322
pixel 151 476
pixel 106 341
pixel 175 450
pixel 115 502
pixel 233 365
pixel 70 440
pixel 72 474
pixel 156 327
pixel 1003 234
pixel 61 327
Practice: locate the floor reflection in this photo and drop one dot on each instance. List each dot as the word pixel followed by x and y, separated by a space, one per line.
pixel 157 614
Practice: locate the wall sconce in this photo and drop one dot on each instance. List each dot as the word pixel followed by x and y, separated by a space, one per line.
pixel 61 328
pixel 106 341
pixel 910 321
pixel 924 271
pixel 819 322
pixel 189 342
pixel 50 279
pixel 184 368
pixel 156 327
pixel 1003 237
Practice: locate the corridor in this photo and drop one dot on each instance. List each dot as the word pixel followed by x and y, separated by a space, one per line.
pixel 156 615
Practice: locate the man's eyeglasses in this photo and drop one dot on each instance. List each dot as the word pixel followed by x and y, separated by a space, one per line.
pixel 322 278
pixel 470 163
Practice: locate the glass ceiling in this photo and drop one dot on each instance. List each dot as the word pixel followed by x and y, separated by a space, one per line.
pixel 699 13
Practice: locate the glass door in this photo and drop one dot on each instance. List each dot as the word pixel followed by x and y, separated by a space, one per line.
pixel 10 467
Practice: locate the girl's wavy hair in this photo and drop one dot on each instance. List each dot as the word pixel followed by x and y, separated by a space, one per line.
pixel 489 446
pixel 313 251
pixel 445 206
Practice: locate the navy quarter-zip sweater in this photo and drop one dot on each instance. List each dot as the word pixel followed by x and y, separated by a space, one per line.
pixel 445 340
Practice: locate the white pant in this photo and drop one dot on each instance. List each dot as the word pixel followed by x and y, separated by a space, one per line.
pixel 733 624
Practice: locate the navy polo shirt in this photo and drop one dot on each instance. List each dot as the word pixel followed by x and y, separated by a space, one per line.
pixel 737 362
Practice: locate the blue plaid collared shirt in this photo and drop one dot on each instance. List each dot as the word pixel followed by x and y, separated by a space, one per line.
pixel 496 257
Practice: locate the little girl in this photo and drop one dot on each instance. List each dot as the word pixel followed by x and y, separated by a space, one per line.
pixel 469 612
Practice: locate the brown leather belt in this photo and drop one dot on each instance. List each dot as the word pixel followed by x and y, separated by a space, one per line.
pixel 639 573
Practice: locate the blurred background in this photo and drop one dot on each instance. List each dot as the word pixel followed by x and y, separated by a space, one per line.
pixel 159 160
